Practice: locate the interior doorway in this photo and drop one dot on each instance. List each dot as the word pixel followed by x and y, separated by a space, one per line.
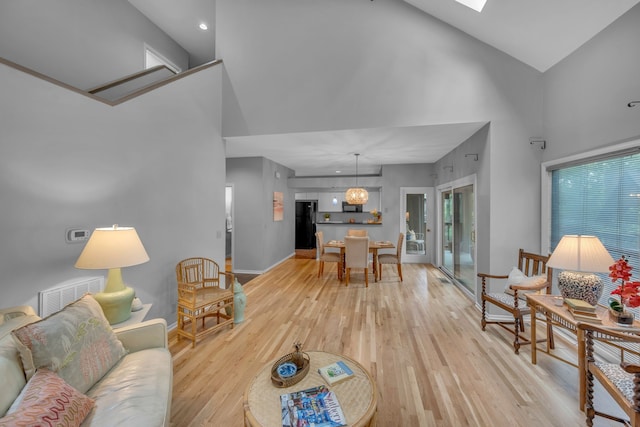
pixel 416 219
pixel 228 201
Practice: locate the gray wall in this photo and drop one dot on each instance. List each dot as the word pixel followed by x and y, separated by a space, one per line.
pixel 155 162
pixel 586 95
pixel 84 43
pixel 259 242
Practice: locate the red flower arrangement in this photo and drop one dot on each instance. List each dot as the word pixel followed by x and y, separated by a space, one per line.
pixel 629 291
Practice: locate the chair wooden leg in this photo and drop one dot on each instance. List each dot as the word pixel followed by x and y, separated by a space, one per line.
pixel 516 340
pixel 366 276
pixel 400 271
pixel 347 278
pixel 588 406
pixel 380 271
pixel 483 322
pixel 320 268
pixel 194 327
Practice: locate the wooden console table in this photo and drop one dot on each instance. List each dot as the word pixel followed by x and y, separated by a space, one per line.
pixel 560 316
pixel 358 396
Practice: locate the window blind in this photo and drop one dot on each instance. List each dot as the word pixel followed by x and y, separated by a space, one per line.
pixel 600 198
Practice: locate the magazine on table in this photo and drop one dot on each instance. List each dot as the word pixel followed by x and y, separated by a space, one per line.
pixel 313 407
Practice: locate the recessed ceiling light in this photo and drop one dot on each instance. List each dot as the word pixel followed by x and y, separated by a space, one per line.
pixel 203 26
pixel 338 171
pixel 476 5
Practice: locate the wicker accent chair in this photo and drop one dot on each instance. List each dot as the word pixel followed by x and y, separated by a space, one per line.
pixel 200 295
pixel 392 258
pixel 327 256
pixel 621 380
pixel 537 278
pixel 356 253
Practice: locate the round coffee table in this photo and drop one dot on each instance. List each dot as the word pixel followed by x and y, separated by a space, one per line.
pixel 358 396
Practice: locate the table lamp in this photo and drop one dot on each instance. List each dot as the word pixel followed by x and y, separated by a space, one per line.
pixel 580 257
pixel 112 248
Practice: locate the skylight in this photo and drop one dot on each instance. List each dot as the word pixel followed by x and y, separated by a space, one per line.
pixel 476 5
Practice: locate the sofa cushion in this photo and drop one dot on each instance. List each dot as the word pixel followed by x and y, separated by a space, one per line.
pixel 136 392
pixel 48 400
pixel 11 372
pixel 77 343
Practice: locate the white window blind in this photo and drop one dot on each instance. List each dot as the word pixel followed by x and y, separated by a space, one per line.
pixel 600 198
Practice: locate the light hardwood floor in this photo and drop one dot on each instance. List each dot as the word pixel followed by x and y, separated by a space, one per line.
pixel 420 339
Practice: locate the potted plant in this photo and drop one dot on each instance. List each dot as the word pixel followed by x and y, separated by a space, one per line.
pixel 377 216
pixel 327 216
pixel 629 292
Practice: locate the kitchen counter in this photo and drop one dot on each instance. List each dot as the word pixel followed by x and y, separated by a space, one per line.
pixel 336 230
pixel 347 222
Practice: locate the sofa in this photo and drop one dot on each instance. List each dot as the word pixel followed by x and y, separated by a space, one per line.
pixel 74 369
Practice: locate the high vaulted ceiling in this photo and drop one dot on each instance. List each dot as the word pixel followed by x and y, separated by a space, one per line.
pixel 539 33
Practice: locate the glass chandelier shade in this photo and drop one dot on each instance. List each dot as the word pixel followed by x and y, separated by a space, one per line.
pixel 356 195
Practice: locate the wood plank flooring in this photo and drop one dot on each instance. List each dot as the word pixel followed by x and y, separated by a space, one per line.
pixel 420 339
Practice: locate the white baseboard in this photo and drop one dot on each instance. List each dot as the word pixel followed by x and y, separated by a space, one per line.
pixel 267 269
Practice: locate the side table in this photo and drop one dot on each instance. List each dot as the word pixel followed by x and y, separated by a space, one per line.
pixel 136 317
pixel 358 396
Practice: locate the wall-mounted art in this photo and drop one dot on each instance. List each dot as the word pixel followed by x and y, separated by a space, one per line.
pixel 278 206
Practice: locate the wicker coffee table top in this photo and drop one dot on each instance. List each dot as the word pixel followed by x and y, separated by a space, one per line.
pixel 357 395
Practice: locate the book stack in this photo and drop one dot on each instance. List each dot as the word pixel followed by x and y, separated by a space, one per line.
pixel 582 311
pixel 335 372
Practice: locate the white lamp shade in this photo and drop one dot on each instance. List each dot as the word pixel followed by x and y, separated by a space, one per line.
pixel 112 247
pixel 581 253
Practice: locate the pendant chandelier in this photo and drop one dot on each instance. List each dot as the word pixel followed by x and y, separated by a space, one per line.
pixel 356 195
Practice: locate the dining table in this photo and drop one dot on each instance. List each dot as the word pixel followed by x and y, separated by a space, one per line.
pixel 374 246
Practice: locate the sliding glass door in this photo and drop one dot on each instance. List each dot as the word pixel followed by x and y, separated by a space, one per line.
pixel 458 235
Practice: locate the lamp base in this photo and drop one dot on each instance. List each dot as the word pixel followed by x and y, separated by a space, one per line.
pixel 116 305
pixel 583 286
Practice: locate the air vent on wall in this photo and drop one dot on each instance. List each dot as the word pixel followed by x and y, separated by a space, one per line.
pixel 56 298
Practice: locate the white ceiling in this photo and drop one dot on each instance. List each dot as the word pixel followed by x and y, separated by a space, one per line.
pixel 321 153
pixel 539 33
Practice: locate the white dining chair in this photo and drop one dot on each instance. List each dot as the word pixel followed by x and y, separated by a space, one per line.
pixel 356 256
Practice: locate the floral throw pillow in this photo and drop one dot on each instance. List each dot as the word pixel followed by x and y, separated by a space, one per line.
pixel 77 343
pixel 49 401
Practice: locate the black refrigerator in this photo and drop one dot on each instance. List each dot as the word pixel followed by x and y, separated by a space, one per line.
pixel 306 224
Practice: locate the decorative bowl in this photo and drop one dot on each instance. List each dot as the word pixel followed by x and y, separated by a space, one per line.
pixel 287 370
pixel 278 381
